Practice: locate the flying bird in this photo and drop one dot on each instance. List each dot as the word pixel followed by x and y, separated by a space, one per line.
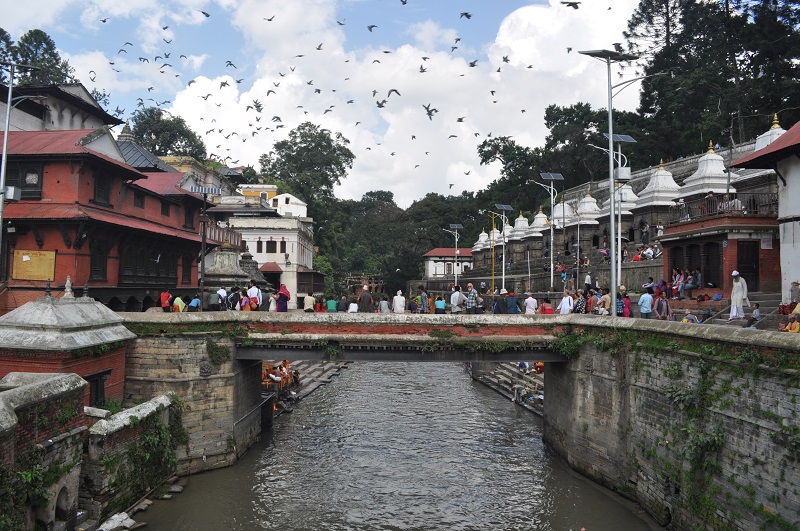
pixel 144 60
pixel 104 20
pixel 167 40
pixel 270 19
pixel 206 97
pixel 505 59
pixel 320 46
pixel 453 136
pixel 467 15
pixel 460 119
pixel 203 12
pixel 371 27
pixel 392 90
pixel 229 63
pixel 341 22
pixel 122 50
pixel 92 76
pixel 223 84
pixel 473 64
pixel 164 27
pixel 573 5
pixel 618 47
pixel 569 49
pixel 422 69
pixel 381 104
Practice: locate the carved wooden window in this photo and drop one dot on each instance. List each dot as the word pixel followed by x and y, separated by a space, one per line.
pixel 272 247
pixel 98 260
pixel 102 189
pixel 283 247
pixel 27 176
pixel 186 269
pixel 188 217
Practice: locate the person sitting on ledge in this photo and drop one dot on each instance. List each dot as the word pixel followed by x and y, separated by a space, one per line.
pixel 793 326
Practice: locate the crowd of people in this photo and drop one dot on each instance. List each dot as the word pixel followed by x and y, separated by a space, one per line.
pixel 247 299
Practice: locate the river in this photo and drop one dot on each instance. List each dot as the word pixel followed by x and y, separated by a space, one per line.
pixel 399 446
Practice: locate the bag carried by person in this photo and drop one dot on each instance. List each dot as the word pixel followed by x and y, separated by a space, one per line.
pixel 253 304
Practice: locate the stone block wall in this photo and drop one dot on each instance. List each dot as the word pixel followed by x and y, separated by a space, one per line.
pixel 221 396
pixel 127 455
pixel 695 429
pixel 41 427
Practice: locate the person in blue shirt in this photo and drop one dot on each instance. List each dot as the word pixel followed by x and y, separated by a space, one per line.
pixel 439 305
pixel 194 305
pixel 646 304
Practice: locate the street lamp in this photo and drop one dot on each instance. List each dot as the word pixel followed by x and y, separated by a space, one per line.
pixel 9 105
pixel 503 209
pixel 454 227
pixel 552 177
pixel 611 56
pixel 205 190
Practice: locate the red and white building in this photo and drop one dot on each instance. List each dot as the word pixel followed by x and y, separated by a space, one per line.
pixel 443 263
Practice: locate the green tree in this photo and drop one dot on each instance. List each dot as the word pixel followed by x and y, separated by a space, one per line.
pixel 36 48
pixel 311 161
pixel 6 53
pixel 323 265
pixel 102 97
pixel 166 135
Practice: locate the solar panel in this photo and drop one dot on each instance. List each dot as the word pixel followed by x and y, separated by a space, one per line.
pixel 552 176
pixel 620 138
pixel 456 226
pixel 498 206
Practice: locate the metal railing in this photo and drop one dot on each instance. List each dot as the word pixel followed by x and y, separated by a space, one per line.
pixel 741 204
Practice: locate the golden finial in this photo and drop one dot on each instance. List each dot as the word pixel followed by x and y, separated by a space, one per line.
pixel 589 192
pixel 775 124
pixel 128 122
pixel 711 146
pixel 540 209
pixel 661 165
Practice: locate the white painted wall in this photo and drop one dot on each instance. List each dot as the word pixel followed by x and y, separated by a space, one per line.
pixel 789 206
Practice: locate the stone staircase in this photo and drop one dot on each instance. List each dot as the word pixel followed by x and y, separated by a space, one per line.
pixel 506 375
pixel 769 311
pixel 313 374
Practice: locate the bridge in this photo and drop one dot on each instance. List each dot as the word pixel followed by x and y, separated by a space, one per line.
pixel 368 337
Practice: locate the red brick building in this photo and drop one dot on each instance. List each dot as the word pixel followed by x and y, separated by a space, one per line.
pixel 86 214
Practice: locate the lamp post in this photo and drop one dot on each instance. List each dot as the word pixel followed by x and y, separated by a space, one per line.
pixel 552 177
pixel 503 209
pixel 454 227
pixel 611 56
pixel 205 190
pixel 9 105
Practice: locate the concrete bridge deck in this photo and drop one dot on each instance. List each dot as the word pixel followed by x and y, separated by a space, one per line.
pixel 366 337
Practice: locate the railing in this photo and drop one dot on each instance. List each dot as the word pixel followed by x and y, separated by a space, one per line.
pixel 218 235
pixel 742 204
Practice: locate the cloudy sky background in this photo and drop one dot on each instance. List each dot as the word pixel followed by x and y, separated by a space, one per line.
pixel 397 147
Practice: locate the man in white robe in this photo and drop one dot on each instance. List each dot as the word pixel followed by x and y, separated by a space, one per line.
pixel 738 297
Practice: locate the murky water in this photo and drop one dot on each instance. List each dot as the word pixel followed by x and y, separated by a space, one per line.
pixel 399 447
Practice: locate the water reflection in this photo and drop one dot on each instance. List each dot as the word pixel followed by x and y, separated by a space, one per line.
pixel 399 446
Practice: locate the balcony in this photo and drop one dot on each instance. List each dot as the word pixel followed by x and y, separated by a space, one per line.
pixel 750 205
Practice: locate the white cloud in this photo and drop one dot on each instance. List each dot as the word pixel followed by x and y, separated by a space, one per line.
pixel 397 147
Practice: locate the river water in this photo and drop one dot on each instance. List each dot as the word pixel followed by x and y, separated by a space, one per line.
pixel 399 446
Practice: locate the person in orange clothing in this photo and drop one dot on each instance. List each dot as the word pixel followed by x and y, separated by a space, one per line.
pixel 793 327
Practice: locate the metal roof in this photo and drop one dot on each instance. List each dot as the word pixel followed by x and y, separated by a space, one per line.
pixel 55 143
pixel 783 147
pixel 35 211
pixel 141 159
pixel 464 252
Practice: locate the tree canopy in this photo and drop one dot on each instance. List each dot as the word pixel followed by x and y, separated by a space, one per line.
pixel 162 134
pixel 311 161
pixel 36 48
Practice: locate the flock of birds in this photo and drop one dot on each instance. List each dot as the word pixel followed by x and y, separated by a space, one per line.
pixel 218 139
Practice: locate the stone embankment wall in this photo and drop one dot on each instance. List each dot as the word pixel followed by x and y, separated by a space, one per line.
pixel 699 423
pixel 128 454
pixel 41 427
pixel 221 396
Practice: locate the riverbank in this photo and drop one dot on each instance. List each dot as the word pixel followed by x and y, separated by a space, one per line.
pixel 313 375
pixel 523 386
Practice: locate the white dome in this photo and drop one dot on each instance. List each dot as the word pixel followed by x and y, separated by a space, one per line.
pixel 562 213
pixel 587 207
pixel 660 191
pixel 539 221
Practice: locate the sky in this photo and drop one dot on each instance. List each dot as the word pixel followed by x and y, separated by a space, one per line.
pixel 484 68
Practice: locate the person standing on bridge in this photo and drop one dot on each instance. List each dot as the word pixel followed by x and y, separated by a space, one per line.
pixel 365 302
pixel 283 299
pixel 738 296
pixel 255 295
pixel 566 304
pixel 399 302
pixel 472 299
pixel 424 306
pixel 166 300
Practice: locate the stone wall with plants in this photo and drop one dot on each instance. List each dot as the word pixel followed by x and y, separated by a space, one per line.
pixel 129 454
pixel 41 427
pixel 221 396
pixel 703 431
